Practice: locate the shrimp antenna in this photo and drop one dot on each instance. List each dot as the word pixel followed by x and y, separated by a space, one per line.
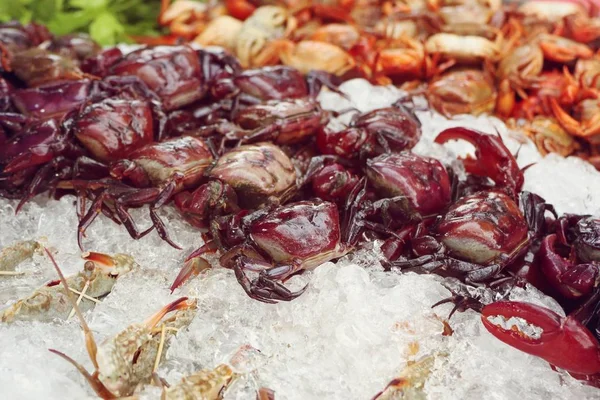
pixel 93 380
pixel 89 336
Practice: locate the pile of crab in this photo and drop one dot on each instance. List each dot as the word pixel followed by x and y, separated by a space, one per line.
pixel 249 159
pixel 533 64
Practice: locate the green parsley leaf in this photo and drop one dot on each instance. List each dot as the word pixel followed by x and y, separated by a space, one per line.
pixel 107 21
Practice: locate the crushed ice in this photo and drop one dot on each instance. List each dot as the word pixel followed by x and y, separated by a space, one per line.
pixel 352 331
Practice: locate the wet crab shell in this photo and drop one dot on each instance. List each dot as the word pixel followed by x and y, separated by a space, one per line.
pixel 36 67
pixel 461 92
pixel 113 128
pixel 76 46
pixel 187 155
pixel 482 226
pixel 258 173
pixel 205 384
pixel 307 231
pixel 51 100
pixel 306 115
pixel 278 83
pixel 16 37
pixel 115 358
pixel 422 180
pixel 403 127
pixel 173 72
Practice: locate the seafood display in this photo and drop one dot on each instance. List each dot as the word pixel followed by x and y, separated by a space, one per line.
pixel 273 184
pixel 534 62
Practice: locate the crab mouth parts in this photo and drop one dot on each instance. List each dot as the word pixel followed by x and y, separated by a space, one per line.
pixel 517 326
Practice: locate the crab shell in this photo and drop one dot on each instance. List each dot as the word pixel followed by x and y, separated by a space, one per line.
pixel 52 100
pixel 461 92
pixel 465 49
pixel 272 83
pixel 258 172
pixel 50 301
pixel 205 384
pixel 308 231
pixel 113 128
pixel 188 155
pixel 299 118
pixel 36 66
pixel 422 180
pixel 172 72
pixel 115 359
pixel 482 226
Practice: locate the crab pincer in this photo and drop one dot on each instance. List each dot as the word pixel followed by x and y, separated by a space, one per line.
pixel 493 159
pixel 572 280
pixel 564 341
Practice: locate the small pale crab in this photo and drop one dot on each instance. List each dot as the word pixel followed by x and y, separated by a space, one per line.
pixel 129 359
pixel 206 384
pixel 13 255
pixel 97 279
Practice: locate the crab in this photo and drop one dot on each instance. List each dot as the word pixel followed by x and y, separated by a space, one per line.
pixel 409 186
pixel 256 43
pixel 279 243
pixel 550 137
pixel 464 91
pixel 308 55
pixel 206 384
pixel 13 255
pixel 97 279
pixel 157 171
pixel 384 130
pixel 250 176
pixel 585 121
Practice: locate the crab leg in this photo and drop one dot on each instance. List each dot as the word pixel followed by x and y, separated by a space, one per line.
pixel 564 341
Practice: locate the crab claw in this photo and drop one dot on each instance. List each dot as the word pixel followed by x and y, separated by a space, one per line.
pixel 564 341
pixel 192 267
pixel 493 159
pixel 572 281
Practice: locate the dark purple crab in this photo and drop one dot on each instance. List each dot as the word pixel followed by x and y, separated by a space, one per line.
pixel 481 233
pixel 279 121
pixel 76 46
pixel 250 176
pixel 150 175
pixel 272 83
pixel 37 67
pixel 382 131
pixel 179 75
pixel 276 244
pixel 570 258
pixel 408 186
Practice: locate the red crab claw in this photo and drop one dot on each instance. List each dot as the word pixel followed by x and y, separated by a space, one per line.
pixel 190 269
pixel 572 280
pixel 564 342
pixel 493 159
